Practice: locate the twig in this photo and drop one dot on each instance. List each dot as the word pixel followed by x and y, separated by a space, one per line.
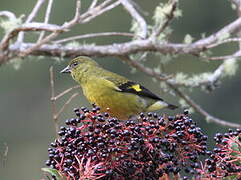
pixel 209 82
pixel 96 12
pixel 223 42
pixel 93 4
pixel 140 20
pixel 92 35
pixel 92 10
pixel 55 113
pixel 31 16
pixel 167 21
pixel 198 108
pixel 8 14
pixel 55 33
pixel 233 56
pixel 66 103
pixel 149 71
pixel 53 105
pixel 66 91
pixel 46 19
pixel 27 27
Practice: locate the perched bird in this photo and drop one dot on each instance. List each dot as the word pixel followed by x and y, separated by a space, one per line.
pixel 113 93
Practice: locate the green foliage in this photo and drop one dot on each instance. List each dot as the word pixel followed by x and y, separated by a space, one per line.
pixel 54 172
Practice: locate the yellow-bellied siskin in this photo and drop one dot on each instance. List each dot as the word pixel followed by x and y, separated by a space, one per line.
pixel 113 93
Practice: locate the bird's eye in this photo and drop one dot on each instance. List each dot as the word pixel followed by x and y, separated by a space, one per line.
pixel 74 64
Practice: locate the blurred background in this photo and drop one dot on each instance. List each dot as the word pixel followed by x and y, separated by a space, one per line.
pixel 25 112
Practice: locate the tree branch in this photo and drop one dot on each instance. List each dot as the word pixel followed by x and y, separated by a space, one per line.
pixel 140 20
pixel 198 109
pixel 159 77
pixel 126 48
pixel 53 105
pixel 98 10
pixel 55 113
pixel 31 16
pixel 46 19
pixel 8 14
pixel 51 36
pixel 27 27
pixel 93 35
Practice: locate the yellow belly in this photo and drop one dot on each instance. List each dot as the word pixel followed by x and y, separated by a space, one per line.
pixel 118 104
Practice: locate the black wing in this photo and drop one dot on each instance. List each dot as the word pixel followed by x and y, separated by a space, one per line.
pixel 132 87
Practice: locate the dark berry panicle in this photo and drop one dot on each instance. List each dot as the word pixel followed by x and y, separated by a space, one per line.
pixel 94 145
pixel 225 159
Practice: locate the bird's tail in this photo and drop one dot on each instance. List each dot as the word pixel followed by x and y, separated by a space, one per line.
pixel 160 105
pixel 172 107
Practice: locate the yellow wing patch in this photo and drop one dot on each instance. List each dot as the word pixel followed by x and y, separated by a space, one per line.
pixel 136 87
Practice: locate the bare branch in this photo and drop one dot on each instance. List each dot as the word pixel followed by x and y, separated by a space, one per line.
pixel 31 16
pixel 140 20
pixel 55 114
pixel 66 91
pixel 53 105
pixel 198 108
pixel 224 42
pixel 92 35
pixel 66 104
pixel 148 71
pixel 8 14
pixel 92 13
pixel 51 36
pixel 94 9
pixel 233 56
pixel 229 29
pixel 130 47
pixel 93 4
pixel 28 27
pixel 46 19
pixel 151 73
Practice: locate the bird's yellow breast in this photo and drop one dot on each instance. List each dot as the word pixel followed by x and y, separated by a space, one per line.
pixel 109 99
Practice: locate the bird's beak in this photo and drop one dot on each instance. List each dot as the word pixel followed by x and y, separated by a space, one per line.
pixel 66 70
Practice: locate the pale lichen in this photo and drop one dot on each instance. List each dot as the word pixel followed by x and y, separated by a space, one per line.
pixel 188 39
pixel 230 67
pixel 10 24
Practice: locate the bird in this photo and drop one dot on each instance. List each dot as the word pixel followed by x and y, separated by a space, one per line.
pixel 113 93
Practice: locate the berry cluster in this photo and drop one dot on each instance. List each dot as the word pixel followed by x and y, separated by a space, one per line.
pixel 97 146
pixel 151 147
pixel 225 159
